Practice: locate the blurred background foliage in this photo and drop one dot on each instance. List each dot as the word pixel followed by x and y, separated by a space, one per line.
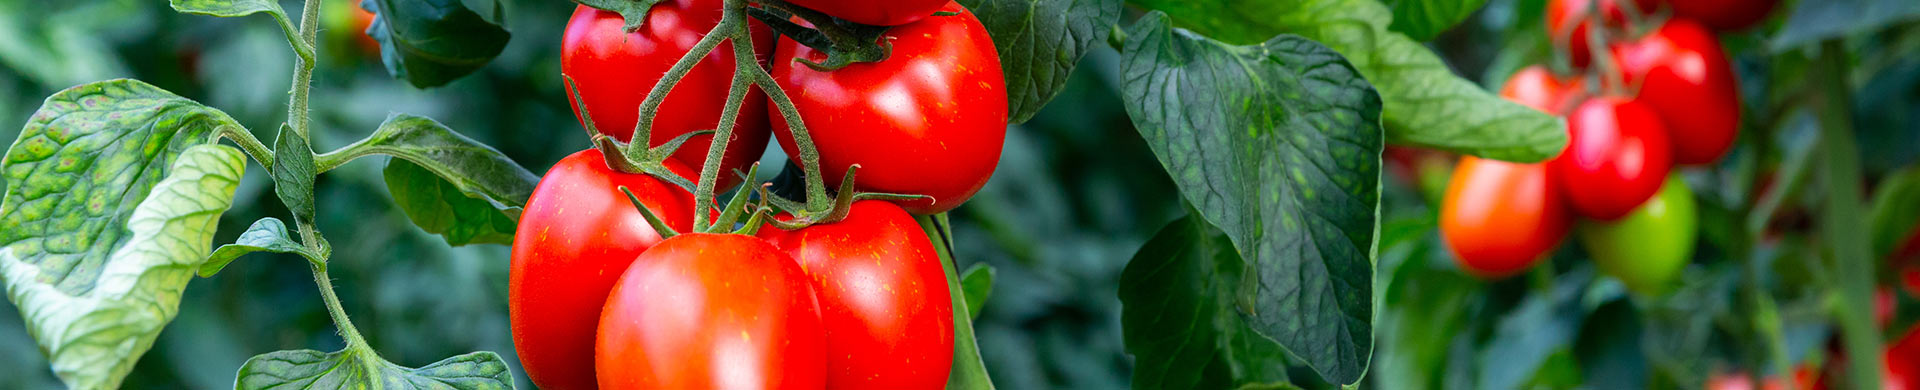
pixel 1076 194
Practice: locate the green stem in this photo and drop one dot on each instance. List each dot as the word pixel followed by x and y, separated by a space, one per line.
pixel 251 145
pixel 1840 225
pixel 334 309
pixel 742 43
pixel 809 155
pixel 303 68
pixel 643 129
pixel 1610 80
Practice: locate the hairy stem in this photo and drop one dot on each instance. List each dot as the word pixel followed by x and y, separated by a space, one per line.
pixel 809 155
pixel 335 310
pixel 643 128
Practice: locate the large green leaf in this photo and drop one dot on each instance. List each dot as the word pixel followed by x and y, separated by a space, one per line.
pixel 448 184
pixel 1426 104
pixel 1177 312
pixel 429 43
pixel 1279 145
pixel 1815 20
pixel 359 368
pixel 1424 19
pixel 1040 41
pixel 96 253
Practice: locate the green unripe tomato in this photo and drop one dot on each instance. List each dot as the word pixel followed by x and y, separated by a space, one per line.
pixel 1648 247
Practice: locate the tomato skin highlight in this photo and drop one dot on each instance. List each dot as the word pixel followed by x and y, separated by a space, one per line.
pixel 1647 249
pixel 711 311
pixel 576 235
pixel 1684 76
pixel 930 120
pixel 1617 155
pixel 614 70
pixel 1500 218
pixel 1724 15
pixel 875 12
pixel 883 296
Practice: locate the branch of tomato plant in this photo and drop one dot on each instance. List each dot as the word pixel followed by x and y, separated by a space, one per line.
pixel 1610 78
pixel 247 142
pixel 1839 226
pixel 743 57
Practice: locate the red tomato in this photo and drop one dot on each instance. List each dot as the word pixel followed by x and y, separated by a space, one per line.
pixel 1616 158
pixel 883 295
pixel 1683 75
pixel 1724 14
pixel 712 311
pixel 1803 378
pixel 875 12
pixel 614 71
pixel 1499 218
pixel 930 120
pixel 576 236
pixel 1537 87
pixel 1567 24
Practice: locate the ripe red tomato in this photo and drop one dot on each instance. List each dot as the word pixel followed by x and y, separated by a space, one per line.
pixel 875 12
pixel 1724 15
pixel 930 120
pixel 1684 77
pixel 712 311
pixel 1616 158
pixel 883 295
pixel 577 234
pixel 1499 218
pixel 1537 87
pixel 614 70
pixel 1567 24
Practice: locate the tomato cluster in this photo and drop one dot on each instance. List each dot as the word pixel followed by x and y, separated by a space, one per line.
pixel 1643 106
pixel 599 299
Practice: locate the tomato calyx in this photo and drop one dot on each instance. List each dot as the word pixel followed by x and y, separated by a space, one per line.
pixel 812 213
pixel 634 11
pixel 845 42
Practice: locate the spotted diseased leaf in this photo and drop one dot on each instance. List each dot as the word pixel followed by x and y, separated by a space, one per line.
pixel 94 251
pixel 1278 144
pixel 359 368
pixel 1040 42
pixel 1426 105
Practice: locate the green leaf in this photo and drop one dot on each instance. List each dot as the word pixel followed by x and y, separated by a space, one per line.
pixel 293 173
pixel 1178 318
pixel 357 367
pixel 1896 210
pixel 634 11
pixel 96 270
pixel 1542 326
pixel 1426 104
pixel 447 183
pixel 1422 20
pixel 266 235
pixel 429 43
pixel 1814 21
pixel 228 8
pixel 1040 41
pixel 969 370
pixel 977 283
pixel 1279 145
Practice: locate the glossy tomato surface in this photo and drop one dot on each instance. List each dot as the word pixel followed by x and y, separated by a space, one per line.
pixel 577 234
pixel 883 296
pixel 1724 15
pixel 1684 76
pixel 1567 24
pixel 1537 87
pixel 1616 157
pixel 930 120
pixel 1647 249
pixel 1499 218
pixel 614 70
pixel 712 311
pixel 875 12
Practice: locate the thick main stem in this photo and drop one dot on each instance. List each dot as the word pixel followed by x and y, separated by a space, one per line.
pixel 742 43
pixel 1852 258
pixel 303 69
pixel 643 128
pixel 335 310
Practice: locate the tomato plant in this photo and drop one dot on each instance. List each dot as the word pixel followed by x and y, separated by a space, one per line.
pixel 1617 155
pixel 577 235
pixel 883 297
pixel 1499 218
pixel 930 120
pixel 612 69
pixel 1568 24
pixel 1683 75
pixel 1724 14
pixel 877 12
pixel 711 311
pixel 1647 248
